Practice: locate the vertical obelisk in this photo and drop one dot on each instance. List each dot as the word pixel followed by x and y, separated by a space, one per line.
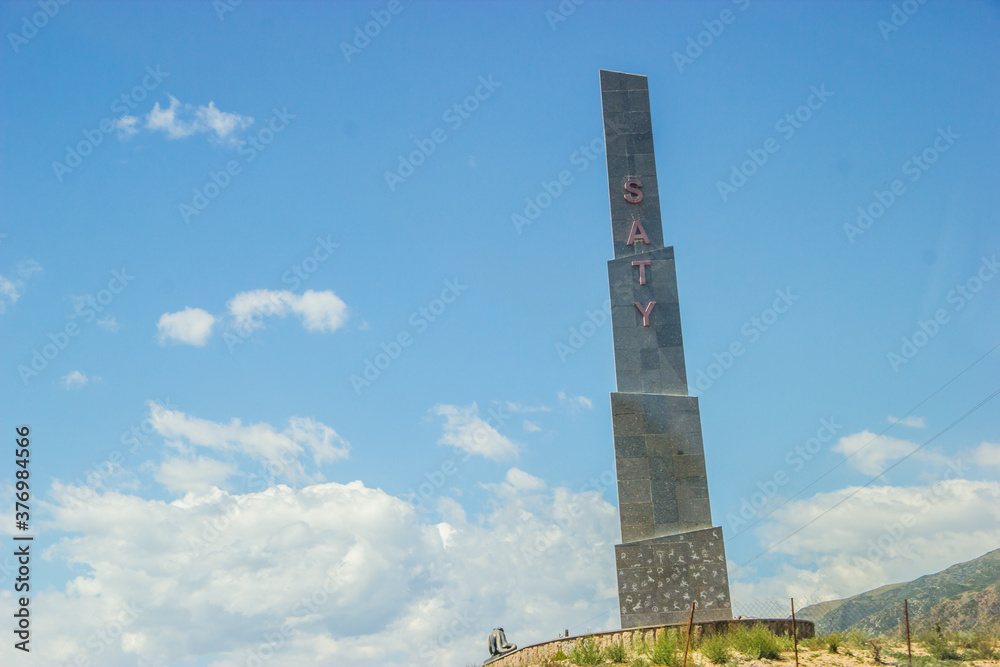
pixel 671 554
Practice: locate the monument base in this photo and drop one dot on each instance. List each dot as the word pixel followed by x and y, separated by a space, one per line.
pixel 659 578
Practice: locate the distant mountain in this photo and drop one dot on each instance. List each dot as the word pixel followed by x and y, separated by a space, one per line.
pixel 963 597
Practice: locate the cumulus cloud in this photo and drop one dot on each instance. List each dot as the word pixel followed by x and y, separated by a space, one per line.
pixel 126 126
pixel 871 454
pixel 319 311
pixel 281 450
pixel 191 326
pixel 517 481
pixel 195 475
pixel 466 430
pixel 326 574
pixel 182 120
pixel 574 403
pixel 987 454
pixel 880 535
pixel 75 380
pixel 531 427
pixel 913 422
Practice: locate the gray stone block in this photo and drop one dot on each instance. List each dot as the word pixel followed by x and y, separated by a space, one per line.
pixel 666 513
pixel 632 468
pixel 634 491
pixel 660 445
pixel 645 170
pixel 638 100
pixel 628 360
pixel 649 359
pixel 694 512
pixel 610 81
pixel 660 467
pixel 630 446
pixel 634 82
pixel 690 488
pixel 627 424
pixel 686 465
pixel 639 142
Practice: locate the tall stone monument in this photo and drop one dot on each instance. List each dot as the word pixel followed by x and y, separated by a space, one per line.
pixel 671 555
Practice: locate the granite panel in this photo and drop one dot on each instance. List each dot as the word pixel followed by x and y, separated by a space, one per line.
pixel 694 513
pixel 632 468
pixel 660 467
pixel 630 446
pixel 659 578
pixel 634 491
pixel 689 466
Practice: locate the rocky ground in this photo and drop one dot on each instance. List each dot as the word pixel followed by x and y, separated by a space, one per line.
pixel 853 657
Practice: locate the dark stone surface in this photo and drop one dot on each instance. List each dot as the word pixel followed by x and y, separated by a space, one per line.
pixel 628 136
pixel 658 579
pixel 659 456
pixel 658 443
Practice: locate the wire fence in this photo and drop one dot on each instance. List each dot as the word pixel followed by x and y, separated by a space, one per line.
pixel 872 616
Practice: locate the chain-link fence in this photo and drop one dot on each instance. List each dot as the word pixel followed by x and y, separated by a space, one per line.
pixel 873 616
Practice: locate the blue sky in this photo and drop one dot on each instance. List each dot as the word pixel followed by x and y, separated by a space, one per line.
pixel 238 186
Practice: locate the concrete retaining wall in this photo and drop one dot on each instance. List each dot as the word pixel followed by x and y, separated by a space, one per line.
pixel 529 656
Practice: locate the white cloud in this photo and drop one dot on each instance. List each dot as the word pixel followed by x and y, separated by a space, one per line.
pixel 531 427
pixel 108 324
pixel 75 380
pixel 281 450
pixel 522 481
pixel 987 454
pixel 191 326
pixel 514 406
pixel 222 123
pixel 182 120
pixel 27 268
pixel 126 126
pixel 913 422
pixel 8 293
pixel 881 535
pixel 195 475
pixel 319 311
pixel 10 289
pixel 871 454
pixel 466 430
pixel 574 403
pixel 337 573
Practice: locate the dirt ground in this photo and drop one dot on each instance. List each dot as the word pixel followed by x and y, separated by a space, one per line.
pixel 847 657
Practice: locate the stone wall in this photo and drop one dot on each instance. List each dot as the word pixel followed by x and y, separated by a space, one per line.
pixel 536 654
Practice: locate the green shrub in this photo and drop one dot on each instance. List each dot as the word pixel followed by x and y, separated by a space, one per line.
pixel 559 655
pixel 756 642
pixel 640 646
pixel 977 645
pixel 639 662
pixel 615 652
pixel 856 638
pixel 940 648
pixel 585 653
pixel 665 649
pixel 833 642
pixel 716 648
